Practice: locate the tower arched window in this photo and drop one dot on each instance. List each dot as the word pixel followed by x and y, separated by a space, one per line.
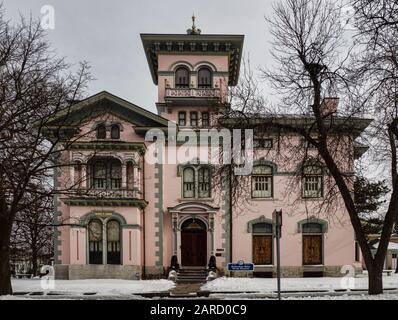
pixel 204 78
pixel 115 132
pixel 101 131
pixel 182 77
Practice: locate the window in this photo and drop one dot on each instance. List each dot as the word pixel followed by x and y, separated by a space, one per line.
pixel 261 143
pixel 99 179
pixel 115 132
pixel 113 242
pixel 312 243
pixel 204 78
pixel 262 243
pixel 196 182
pixel 194 119
pixel 107 174
pixel 189 183
pixel 101 131
pixel 182 78
pixel 262 182
pixel 312 182
pixel 95 242
pixel 205 119
pixel 115 175
pixel 182 118
pixel 204 182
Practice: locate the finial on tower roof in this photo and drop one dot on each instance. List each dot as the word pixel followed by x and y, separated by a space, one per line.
pixel 193 29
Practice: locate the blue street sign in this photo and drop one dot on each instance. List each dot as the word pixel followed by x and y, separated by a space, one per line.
pixel 240 266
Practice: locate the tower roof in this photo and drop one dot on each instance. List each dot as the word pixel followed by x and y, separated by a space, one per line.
pixel 194 42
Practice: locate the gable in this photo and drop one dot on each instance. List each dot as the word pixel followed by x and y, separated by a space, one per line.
pixel 106 103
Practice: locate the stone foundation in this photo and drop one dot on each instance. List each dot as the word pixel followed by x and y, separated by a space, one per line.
pixel 91 271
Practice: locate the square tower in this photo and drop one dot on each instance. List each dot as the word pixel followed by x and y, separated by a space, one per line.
pixel 193 72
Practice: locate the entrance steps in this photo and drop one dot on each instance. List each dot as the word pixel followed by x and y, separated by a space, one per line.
pixel 192 275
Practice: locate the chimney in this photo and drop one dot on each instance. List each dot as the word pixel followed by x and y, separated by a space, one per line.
pixel 329 106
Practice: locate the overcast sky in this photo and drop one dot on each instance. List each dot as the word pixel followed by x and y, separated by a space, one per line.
pixel 106 34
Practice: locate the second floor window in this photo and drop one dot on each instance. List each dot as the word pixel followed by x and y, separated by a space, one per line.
pixel 182 78
pixel 205 119
pixel 194 119
pixel 196 182
pixel 312 183
pixel 262 182
pixel 182 118
pixel 204 78
pixel 106 174
pixel 189 183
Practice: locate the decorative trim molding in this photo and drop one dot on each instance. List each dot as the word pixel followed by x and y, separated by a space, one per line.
pixel 312 219
pixel 261 219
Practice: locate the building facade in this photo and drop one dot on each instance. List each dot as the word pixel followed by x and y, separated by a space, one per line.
pixel 126 217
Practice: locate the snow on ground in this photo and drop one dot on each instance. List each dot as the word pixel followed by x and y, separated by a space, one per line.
pixel 268 285
pixel 99 286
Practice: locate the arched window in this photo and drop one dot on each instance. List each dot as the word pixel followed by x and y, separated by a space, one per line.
pixel 189 183
pixel 204 182
pixel 95 242
pixel 106 173
pixel 99 175
pixel 115 132
pixel 312 243
pixel 312 185
pixel 113 242
pixel 182 78
pixel 262 182
pixel 115 169
pixel 101 131
pixel 262 243
pixel 204 78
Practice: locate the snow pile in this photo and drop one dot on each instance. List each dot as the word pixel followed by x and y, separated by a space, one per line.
pixel 99 286
pixel 267 285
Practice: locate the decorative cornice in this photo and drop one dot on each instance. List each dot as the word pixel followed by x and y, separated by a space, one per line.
pixel 230 45
pixel 108 145
pixel 140 203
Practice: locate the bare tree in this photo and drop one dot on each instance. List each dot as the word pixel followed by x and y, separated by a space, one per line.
pixel 35 85
pixel 32 233
pixel 311 64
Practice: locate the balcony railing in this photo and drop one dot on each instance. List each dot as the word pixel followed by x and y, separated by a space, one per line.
pixel 108 193
pixel 208 93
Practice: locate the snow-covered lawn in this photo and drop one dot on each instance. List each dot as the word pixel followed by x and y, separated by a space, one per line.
pixel 268 285
pixel 98 286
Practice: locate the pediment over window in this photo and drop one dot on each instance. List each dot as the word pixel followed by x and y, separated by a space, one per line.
pixel 193 207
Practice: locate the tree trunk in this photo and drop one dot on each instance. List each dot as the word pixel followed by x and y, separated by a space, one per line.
pixel 5 275
pixel 375 280
pixel 34 264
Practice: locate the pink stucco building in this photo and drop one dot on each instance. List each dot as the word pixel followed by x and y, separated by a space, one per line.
pixel 125 217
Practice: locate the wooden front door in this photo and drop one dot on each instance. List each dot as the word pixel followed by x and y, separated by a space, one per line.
pixel 312 249
pixel 193 248
pixel 262 249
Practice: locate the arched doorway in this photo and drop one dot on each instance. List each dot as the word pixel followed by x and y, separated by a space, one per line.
pixel 193 243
